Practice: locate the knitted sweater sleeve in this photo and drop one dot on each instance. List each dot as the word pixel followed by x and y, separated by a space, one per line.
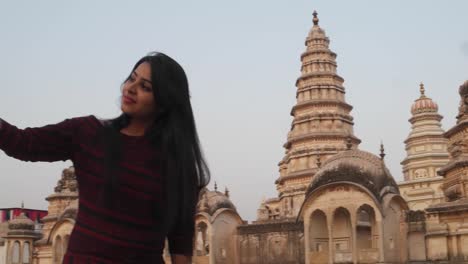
pixel 49 143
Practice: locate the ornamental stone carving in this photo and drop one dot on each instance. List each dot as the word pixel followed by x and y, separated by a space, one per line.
pixel 67 182
pixel 463 109
pixel 458 147
pixel 420 173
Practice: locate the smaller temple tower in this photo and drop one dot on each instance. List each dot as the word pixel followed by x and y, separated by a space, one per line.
pixel 456 183
pixel 59 222
pixel 19 240
pixel 216 223
pixel 426 149
pixel 446 223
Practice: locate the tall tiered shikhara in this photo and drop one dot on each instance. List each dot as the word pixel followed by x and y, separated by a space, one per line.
pixel 426 149
pixel 322 126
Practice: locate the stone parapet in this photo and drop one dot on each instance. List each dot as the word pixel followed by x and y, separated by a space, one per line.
pixel 449 207
pixel 258 227
pixel 436 229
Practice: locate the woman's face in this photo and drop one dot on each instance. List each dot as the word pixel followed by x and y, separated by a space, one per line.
pixel 137 94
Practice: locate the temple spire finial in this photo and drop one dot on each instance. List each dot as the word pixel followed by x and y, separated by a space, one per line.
pixel 315 19
pixel 422 90
pixel 22 207
pixel 216 186
pixel 382 150
pixel 226 192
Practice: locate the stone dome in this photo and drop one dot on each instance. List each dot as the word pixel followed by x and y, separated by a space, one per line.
pixel 316 32
pixel 424 105
pixel 22 222
pixel 212 201
pixel 359 167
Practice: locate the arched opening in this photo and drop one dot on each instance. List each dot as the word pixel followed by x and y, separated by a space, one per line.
pixel 15 256
pixel 58 250
pixel 26 253
pixel 318 237
pixel 395 229
pixel 202 247
pixel 342 236
pixel 366 235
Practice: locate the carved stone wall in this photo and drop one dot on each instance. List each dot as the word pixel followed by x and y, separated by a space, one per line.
pixel 279 242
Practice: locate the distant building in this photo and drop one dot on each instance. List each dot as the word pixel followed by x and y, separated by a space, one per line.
pixel 7 214
pixel 19 227
pixel 37 236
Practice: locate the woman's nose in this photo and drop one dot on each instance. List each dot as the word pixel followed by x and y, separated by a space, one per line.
pixel 131 88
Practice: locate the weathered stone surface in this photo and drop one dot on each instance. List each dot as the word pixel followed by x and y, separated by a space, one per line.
pixel 272 242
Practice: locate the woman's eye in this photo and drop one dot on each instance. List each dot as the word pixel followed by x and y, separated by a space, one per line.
pixel 146 88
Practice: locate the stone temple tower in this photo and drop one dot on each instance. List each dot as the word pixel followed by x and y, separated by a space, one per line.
pixel 456 182
pixel 426 149
pixel 322 125
pixel 446 223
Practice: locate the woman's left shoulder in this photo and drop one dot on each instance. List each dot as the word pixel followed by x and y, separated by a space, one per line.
pixel 93 121
pixel 86 126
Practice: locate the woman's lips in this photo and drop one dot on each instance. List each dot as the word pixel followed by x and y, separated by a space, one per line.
pixel 128 100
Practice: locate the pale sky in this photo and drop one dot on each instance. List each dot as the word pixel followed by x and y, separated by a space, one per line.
pixel 60 60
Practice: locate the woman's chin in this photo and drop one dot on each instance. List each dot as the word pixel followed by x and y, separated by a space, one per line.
pixel 126 110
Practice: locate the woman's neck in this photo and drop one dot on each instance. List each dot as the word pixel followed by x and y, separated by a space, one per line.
pixel 135 127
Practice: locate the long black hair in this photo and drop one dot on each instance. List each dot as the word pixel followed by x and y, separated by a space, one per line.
pixel 174 135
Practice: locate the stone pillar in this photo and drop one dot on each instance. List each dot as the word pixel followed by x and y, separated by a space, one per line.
pixel 331 253
pixel 381 240
pixel 307 237
pixel 453 248
pixel 353 233
pixel 210 243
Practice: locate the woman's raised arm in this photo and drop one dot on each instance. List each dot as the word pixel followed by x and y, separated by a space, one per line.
pixel 49 143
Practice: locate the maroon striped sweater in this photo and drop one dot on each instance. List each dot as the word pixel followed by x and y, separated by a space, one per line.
pixel 126 234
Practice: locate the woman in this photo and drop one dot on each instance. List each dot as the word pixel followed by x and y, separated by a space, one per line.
pixel 139 175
